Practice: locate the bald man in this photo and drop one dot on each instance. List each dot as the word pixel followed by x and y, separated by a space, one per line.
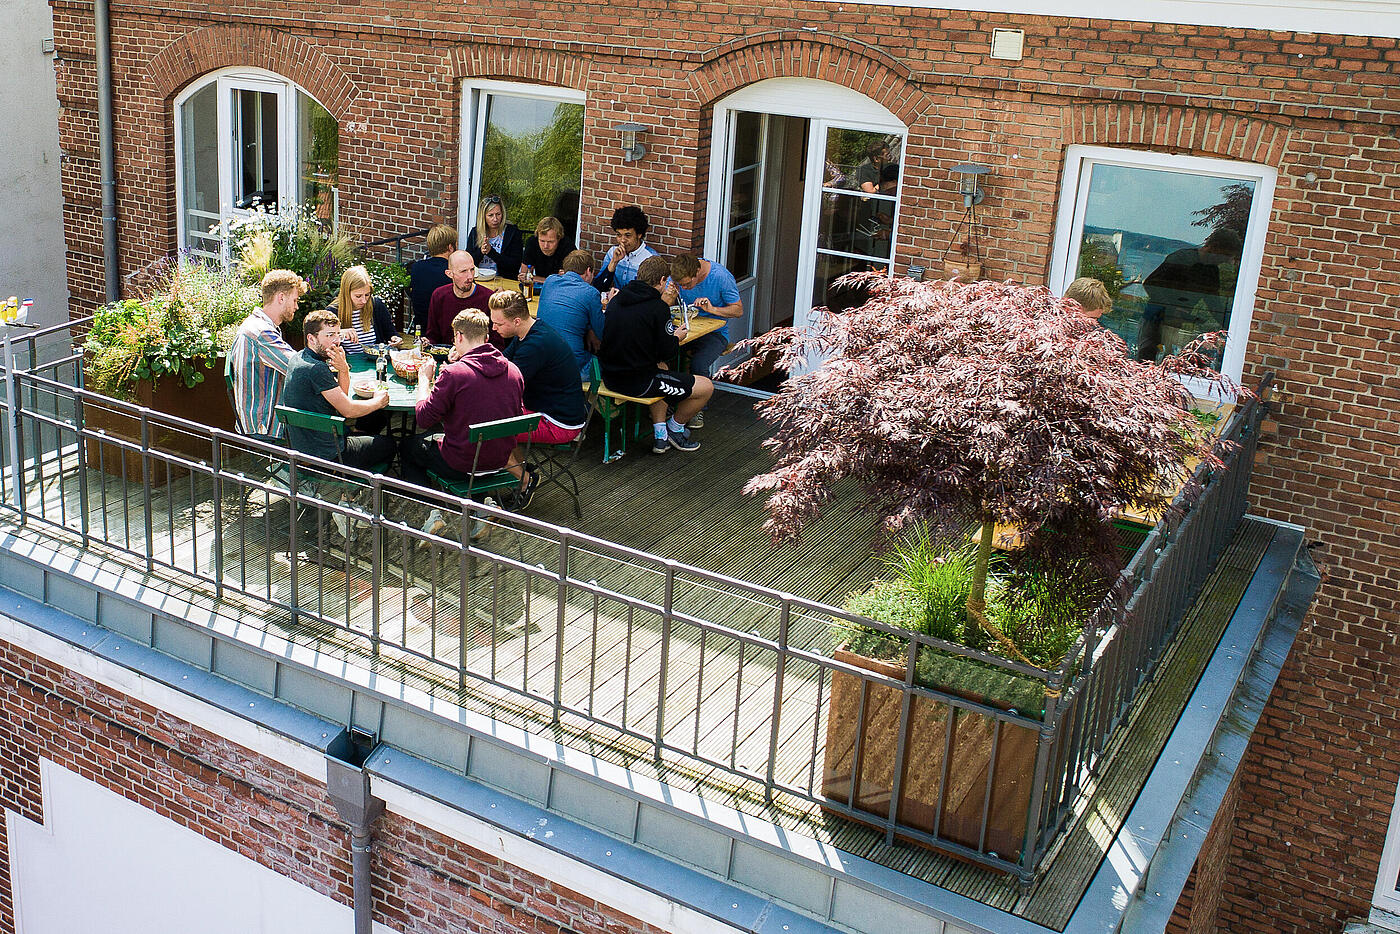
pixel 458 295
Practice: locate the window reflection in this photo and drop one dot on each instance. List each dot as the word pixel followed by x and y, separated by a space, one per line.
pixel 532 155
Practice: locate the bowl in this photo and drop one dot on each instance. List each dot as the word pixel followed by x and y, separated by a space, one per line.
pixel 365 388
pixel 484 275
pixel 406 364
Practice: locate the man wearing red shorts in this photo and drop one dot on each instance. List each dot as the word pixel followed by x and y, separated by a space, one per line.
pixel 552 386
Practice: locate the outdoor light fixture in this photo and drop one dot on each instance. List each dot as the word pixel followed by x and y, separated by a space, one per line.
pixel 968 174
pixel 632 148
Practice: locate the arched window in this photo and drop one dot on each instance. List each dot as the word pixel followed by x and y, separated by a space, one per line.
pixel 245 137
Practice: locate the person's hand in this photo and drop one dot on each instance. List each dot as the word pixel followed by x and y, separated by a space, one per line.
pixel 424 343
pixel 381 397
pixel 682 332
pixel 453 354
pixel 611 294
pixel 426 369
pixel 335 357
pixel 396 341
pixel 616 254
pixel 670 293
pixel 704 304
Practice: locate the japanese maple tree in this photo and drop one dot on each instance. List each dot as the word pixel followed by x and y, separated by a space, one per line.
pixel 985 402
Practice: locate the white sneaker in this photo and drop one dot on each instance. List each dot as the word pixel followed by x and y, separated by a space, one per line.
pixel 435 525
pixel 480 528
pixel 342 524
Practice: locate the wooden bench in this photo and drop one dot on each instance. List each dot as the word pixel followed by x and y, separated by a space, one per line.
pixel 611 405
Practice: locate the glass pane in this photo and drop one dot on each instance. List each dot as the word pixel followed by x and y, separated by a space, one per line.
pixel 742 205
pixel 318 156
pixel 256 149
pixel 862 160
pixel 739 256
pixel 532 157
pixel 856 224
pixel 830 268
pixel 747 127
pixel 199 157
pixel 1167 246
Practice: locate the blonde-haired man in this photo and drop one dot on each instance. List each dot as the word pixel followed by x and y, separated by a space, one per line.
pixel 1091 295
pixel 260 358
pixel 479 385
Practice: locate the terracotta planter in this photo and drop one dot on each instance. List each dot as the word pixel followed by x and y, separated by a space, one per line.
pixel 205 404
pixel 969 758
pixel 969 270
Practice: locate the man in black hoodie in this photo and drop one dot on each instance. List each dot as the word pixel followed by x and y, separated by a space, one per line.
pixel 638 338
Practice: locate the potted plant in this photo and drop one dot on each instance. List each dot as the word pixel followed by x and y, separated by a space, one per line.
pixel 160 350
pixel 967 406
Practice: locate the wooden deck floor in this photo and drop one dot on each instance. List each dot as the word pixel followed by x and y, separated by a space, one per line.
pixel 685 507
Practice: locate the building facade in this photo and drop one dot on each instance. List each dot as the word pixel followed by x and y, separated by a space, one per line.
pixel 1103 137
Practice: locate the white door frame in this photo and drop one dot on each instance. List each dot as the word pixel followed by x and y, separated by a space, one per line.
pixel 816 101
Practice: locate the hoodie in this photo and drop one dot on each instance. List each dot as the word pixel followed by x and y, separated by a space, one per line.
pixel 638 333
pixel 481 387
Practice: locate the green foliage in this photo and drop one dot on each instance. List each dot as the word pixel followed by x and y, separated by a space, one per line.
pixel 1095 262
pixel 389 281
pixel 178 330
pixel 292 239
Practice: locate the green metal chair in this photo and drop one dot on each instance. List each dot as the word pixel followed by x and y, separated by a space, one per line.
pixel 479 483
pixel 615 405
pixel 557 460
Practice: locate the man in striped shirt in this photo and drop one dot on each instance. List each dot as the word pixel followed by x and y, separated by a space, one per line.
pixel 261 358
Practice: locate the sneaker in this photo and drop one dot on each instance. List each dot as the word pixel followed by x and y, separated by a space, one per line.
pixel 342 525
pixel 681 442
pixel 435 525
pixel 481 529
pixel 659 445
pixel 521 497
pixel 698 421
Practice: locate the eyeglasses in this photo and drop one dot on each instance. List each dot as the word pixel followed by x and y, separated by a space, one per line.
pixel 491 199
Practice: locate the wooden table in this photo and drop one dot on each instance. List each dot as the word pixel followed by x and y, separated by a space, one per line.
pixel 700 327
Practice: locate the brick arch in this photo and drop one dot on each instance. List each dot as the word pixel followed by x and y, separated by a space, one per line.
pixel 1177 129
pixel 213 47
pixel 802 54
pixel 517 63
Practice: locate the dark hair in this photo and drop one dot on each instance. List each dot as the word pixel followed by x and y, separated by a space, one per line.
pixel 316 321
pixel 630 217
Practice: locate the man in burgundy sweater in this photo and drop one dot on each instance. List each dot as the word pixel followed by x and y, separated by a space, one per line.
pixel 459 294
pixel 479 385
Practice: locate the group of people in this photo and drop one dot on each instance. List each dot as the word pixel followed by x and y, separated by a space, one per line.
pixel 502 361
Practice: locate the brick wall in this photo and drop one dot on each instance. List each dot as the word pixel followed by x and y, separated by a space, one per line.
pixel 423 881
pixel 1320 108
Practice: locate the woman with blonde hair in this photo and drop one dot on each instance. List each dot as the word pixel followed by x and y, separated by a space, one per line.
pixel 364 318
pixel 494 244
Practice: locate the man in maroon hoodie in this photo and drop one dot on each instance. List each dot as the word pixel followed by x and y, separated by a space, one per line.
pixel 479 386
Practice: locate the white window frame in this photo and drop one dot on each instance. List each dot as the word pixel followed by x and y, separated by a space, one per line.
pixel 1074 195
pixel 1385 911
pixel 475 93
pixel 227 80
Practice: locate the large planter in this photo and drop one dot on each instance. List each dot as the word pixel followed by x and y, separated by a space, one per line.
pixel 965 791
pixel 206 404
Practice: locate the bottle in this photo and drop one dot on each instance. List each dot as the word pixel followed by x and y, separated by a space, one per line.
pixel 527 285
pixel 381 366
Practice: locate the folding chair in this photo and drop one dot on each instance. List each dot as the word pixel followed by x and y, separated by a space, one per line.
pixel 479 483
pixel 333 425
pixel 611 405
pixel 557 460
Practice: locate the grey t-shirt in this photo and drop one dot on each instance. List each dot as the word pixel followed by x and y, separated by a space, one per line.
pixel 310 376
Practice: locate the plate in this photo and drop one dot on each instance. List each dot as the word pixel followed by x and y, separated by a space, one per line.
pixel 440 350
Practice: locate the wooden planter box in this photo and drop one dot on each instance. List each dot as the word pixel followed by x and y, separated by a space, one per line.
pixel 205 404
pixel 970 755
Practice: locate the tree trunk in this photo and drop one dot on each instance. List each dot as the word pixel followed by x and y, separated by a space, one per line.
pixel 977 599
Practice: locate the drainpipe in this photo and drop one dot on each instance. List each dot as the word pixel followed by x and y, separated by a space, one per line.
pixel 348 786
pixel 110 266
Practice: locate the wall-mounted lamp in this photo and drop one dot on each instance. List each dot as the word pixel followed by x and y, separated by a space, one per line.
pixel 632 148
pixel 969 173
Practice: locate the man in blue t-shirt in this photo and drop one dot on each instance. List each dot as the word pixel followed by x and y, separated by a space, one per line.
pixel 572 306
pixel 712 290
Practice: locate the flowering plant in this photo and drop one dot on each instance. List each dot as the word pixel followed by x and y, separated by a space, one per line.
pixel 184 319
pixel 292 238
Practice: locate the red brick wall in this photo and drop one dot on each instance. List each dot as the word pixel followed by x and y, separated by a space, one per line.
pixel 1199 908
pixel 1320 778
pixel 423 881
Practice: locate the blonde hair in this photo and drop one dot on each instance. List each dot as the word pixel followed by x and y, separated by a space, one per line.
pixel 441 239
pixel 509 303
pixel 549 223
pixel 278 281
pixel 354 278
pixel 472 324
pixel 1090 293
pixel 685 265
pixel 481 235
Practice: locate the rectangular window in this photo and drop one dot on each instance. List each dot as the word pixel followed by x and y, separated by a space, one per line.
pixel 1177 241
pixel 525 144
pixel 1387 898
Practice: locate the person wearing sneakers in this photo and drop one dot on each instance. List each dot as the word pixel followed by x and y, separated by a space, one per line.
pixel 552 385
pixel 638 338
pixel 479 385
pixel 711 289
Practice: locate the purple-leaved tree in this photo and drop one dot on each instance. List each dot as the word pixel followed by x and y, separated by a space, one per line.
pixel 982 403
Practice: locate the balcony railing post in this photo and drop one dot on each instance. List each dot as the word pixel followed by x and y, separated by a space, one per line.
pixel 667 609
pixel 12 424
pixel 561 615
pixel 216 461
pixel 901 748
pixel 376 558
pixel 1030 848
pixel 784 621
pixel 146 517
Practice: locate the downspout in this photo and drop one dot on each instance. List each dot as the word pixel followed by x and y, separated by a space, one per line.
pixel 348 786
pixel 106 148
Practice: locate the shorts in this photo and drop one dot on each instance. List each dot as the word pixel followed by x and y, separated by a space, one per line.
pixel 549 433
pixel 669 385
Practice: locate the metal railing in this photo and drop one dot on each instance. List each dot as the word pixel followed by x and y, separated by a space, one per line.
pixel 698 677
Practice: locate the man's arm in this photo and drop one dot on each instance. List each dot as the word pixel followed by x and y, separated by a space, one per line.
pixel 355 408
pixel 272 351
pixel 603 279
pixel 432 405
